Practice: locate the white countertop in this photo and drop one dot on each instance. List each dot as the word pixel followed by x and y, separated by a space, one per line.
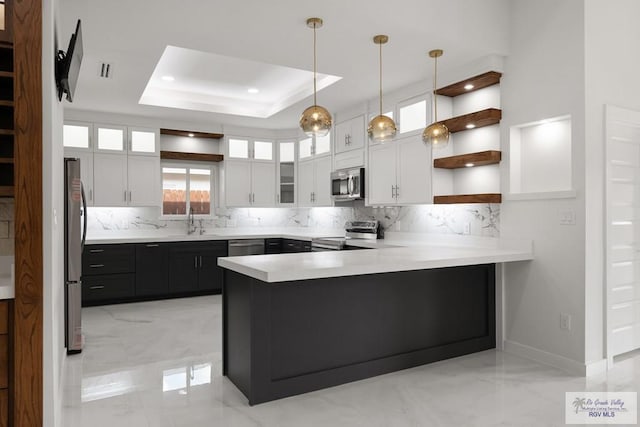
pixel 400 252
pixel 7 287
pixel 173 235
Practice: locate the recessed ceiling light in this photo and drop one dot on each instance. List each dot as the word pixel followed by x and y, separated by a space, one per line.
pixel 168 78
pixel 191 135
pixel 470 126
pixel 468 86
pixel 253 90
pixel 469 165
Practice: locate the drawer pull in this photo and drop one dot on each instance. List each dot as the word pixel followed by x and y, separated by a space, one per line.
pixel 96 251
pixel 96 287
pixel 96 265
pixel 153 246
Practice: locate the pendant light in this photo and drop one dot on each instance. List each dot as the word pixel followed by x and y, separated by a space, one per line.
pixel 381 128
pixel 315 120
pixel 436 133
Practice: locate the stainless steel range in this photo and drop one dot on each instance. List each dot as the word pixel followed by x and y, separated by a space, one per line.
pixel 354 230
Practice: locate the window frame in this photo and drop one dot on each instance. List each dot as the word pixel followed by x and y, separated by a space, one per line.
pixel 214 191
pixel 410 101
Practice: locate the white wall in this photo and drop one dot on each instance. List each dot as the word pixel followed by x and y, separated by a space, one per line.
pixel 53 220
pixel 612 64
pixel 544 77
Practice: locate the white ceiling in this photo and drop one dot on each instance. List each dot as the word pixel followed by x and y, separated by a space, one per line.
pixel 132 35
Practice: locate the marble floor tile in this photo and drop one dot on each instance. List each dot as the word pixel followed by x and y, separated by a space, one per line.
pixel 159 364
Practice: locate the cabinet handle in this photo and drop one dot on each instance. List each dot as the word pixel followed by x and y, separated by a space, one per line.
pixel 393 192
pixel 200 261
pixel 310 197
pixel 155 245
pixel 130 195
pixel 96 265
pixel 195 262
pixel 397 191
pixel 249 198
pixel 277 198
pixel 96 287
pixel 96 251
pixel 91 194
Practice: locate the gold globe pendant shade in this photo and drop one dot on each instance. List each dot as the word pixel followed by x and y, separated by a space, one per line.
pixel 315 120
pixel 381 128
pixel 436 134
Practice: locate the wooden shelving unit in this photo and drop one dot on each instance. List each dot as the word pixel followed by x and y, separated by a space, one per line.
pixel 480 81
pixel 7 133
pixel 177 155
pixel 481 158
pixel 477 119
pixel 191 134
pixel 468 198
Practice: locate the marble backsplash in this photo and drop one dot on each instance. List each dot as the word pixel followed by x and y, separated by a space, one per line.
pixel 480 219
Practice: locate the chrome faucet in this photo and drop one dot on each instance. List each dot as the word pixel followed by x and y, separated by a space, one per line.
pixel 191 228
pixel 201 226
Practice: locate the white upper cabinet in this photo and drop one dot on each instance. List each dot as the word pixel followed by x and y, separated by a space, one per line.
pixel 77 136
pixel 312 147
pixel 110 179
pixel 286 176
pixel 350 134
pixel 110 138
pixel 144 141
pixel 250 149
pixel 314 182
pixel 400 173
pixel 250 184
pixel 143 181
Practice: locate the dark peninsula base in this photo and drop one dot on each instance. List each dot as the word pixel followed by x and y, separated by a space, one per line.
pixel 283 339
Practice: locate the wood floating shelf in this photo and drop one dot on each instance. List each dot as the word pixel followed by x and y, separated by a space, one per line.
pixel 190 134
pixel 7 132
pixel 478 119
pixel 176 155
pixel 481 158
pixel 8 74
pixel 6 190
pixel 480 81
pixel 468 198
pixel 5 103
pixel 6 160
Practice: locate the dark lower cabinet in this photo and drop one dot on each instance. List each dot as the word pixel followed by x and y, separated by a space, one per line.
pixel 152 269
pixel 273 246
pixel 136 272
pixel 194 266
pixel 293 246
pixel 210 275
pixel 108 288
pixel 183 269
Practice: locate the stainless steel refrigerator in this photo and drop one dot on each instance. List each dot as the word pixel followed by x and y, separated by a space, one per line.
pixel 75 232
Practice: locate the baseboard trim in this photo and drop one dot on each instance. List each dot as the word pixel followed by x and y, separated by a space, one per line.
pixel 568 365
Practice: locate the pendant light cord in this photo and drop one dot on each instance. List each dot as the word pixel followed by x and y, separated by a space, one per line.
pixel 380 78
pixel 435 100
pixel 314 65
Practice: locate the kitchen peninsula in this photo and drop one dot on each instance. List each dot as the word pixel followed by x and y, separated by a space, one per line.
pixel 294 323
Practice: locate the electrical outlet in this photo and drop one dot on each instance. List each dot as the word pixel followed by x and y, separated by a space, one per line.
pixel 397 225
pixel 565 321
pixel 231 223
pixel 567 217
pixel 467 228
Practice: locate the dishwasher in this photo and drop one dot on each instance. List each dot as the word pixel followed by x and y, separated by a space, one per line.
pixel 246 247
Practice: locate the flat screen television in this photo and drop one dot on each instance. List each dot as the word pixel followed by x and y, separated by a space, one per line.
pixel 68 65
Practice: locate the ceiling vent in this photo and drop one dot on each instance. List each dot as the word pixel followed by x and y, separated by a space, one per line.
pixel 105 70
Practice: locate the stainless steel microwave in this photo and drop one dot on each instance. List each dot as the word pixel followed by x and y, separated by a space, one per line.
pixel 347 184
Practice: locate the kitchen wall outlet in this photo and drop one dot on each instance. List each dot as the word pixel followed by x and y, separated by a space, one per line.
pixel 397 225
pixel 467 228
pixel 231 223
pixel 567 217
pixel 565 321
